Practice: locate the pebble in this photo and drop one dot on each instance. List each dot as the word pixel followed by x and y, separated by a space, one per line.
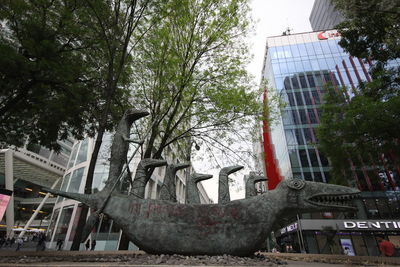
pixel 147 259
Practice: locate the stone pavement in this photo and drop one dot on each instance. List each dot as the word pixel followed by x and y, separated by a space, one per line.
pixel 140 259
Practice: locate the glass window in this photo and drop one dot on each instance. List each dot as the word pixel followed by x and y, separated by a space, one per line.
pixel 317 48
pixel 316 98
pixel 290 137
pixel 275 67
pixel 76 180
pixel 294 158
pixel 291 99
pixel 307 135
pixel 322 63
pixel 299 99
pixel 309 48
pixel 82 152
pixel 307 65
pixel 303 158
pixel 303 81
pixel 302 50
pixel 312 116
pixel 286 83
pixel 303 116
pixel 295 117
pixel 279 83
pixel 308 176
pixel 334 46
pixel 310 79
pixel 307 98
pixel 295 82
pixel 295 51
pixel 273 52
pixel 299 66
pixel 330 63
pixel 73 155
pixel 299 136
pixel 284 68
pixel 63 223
pixel 314 65
pixel 325 47
pixel 314 160
pixel 317 176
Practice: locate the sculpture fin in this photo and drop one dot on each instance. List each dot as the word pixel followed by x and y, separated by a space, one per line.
pixel 89 200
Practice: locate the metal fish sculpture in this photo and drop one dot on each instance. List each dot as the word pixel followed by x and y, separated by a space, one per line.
pixel 236 228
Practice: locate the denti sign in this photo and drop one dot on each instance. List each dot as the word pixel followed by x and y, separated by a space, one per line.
pixel 327 35
pixel 360 225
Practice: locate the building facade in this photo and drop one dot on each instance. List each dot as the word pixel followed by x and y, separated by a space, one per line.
pixel 324 16
pixel 25 171
pixel 298 66
pixel 66 211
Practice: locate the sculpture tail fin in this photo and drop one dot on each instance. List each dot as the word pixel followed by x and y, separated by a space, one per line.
pixel 89 200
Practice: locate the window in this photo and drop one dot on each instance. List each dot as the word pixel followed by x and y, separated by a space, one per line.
pixel 307 98
pixel 303 158
pixel 314 159
pixel 76 179
pixel 295 82
pixel 291 99
pixel 82 152
pixel 299 99
pixel 299 136
pixel 303 82
pixel 303 116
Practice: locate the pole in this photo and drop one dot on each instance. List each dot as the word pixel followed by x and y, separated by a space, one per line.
pixel 37 210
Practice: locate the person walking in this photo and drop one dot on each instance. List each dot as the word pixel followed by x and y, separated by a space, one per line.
pixel 386 247
pixel 87 244
pixel 20 242
pixel 59 244
pixel 93 244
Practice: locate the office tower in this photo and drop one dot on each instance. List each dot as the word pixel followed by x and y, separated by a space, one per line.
pixel 324 16
pixel 298 66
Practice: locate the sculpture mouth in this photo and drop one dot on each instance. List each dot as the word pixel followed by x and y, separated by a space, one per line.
pixel 336 201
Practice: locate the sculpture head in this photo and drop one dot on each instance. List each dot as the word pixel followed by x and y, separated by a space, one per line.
pixel 304 196
pixel 133 114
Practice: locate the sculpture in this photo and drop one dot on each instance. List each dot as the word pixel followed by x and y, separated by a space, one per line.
pixel 250 190
pixel 168 189
pixel 236 227
pixel 192 192
pixel 223 183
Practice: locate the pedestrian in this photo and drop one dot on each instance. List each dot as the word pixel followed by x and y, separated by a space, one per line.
pixel 20 242
pixel 41 245
pixel 93 244
pixel 59 244
pixel 386 247
pixel 87 245
pixel 2 241
pixel 12 241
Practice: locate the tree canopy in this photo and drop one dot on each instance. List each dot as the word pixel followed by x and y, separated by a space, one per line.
pixel 356 132
pixel 189 72
pixel 52 68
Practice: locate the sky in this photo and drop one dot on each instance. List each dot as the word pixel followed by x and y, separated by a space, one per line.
pixel 272 17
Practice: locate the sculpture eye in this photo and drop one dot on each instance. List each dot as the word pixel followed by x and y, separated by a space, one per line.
pixel 296 184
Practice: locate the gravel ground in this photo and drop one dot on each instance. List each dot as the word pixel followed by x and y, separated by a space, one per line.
pixel 146 259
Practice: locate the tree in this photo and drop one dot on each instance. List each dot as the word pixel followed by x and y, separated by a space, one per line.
pixel 65 70
pixel 189 72
pixel 356 132
pixel 46 85
pixel 113 24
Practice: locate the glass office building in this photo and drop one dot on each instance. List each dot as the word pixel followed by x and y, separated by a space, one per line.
pixel 298 66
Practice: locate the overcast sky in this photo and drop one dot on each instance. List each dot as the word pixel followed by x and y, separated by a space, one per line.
pixel 272 18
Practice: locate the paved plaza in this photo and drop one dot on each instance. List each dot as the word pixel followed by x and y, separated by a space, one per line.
pixel 31 258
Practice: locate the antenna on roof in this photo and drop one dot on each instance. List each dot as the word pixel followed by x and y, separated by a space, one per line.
pixel 287 31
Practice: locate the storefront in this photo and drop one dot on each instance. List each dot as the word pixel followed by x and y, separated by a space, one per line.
pixel 351 237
